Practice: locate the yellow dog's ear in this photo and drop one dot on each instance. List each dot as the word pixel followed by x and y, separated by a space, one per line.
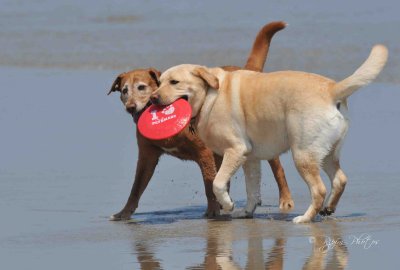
pixel 116 86
pixel 209 78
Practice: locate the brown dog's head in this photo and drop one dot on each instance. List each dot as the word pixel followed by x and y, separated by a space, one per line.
pixel 190 82
pixel 136 87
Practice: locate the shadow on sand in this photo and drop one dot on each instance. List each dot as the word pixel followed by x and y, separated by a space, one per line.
pixel 197 212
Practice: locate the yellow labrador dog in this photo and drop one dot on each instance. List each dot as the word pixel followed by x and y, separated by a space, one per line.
pixel 248 116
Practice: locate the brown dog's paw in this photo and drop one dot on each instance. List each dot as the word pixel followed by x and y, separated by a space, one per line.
pixel 327 211
pixel 213 210
pixel 123 215
pixel 211 213
pixel 286 204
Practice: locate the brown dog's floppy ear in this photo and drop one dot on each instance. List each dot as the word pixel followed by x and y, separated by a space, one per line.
pixel 116 86
pixel 209 78
pixel 155 75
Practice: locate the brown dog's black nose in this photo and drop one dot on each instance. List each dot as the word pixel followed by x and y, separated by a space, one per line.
pixel 155 99
pixel 131 110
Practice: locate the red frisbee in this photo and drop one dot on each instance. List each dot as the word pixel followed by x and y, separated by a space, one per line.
pixel 161 122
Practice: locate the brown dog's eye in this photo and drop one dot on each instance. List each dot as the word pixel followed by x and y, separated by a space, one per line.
pixel 173 82
pixel 125 90
pixel 141 87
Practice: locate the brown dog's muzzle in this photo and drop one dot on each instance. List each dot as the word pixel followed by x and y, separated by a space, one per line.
pixel 131 109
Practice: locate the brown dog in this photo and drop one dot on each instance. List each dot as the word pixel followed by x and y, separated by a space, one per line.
pixel 136 88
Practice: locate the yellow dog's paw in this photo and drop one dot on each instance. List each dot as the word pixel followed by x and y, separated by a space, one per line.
pixel 228 206
pixel 301 219
pixel 242 213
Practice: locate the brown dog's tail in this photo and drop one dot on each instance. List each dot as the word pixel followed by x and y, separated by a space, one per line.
pixel 259 52
pixel 365 74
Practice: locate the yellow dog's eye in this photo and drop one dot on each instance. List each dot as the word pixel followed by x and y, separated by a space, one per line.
pixel 125 90
pixel 173 82
pixel 141 87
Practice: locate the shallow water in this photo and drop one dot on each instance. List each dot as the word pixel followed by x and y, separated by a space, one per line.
pixel 68 151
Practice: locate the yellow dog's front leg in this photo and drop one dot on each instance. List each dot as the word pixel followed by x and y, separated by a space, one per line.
pixel 232 160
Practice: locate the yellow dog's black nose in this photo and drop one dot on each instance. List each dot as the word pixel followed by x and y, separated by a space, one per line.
pixel 155 99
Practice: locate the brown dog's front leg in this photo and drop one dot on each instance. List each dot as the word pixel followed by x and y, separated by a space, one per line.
pixel 286 202
pixel 147 162
pixel 208 166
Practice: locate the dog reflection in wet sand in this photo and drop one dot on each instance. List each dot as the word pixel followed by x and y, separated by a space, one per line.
pixel 221 237
pixel 219 250
pixel 136 87
pixel 321 247
pixel 228 242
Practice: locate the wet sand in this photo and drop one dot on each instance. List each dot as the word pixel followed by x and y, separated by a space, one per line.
pixel 68 151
